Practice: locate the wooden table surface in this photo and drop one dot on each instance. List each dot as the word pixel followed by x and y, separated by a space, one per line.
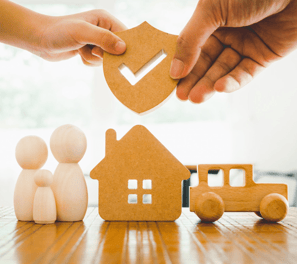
pixel 235 238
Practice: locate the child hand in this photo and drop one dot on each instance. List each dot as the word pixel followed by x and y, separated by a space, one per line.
pixel 88 34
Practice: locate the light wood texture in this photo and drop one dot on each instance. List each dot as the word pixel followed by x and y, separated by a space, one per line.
pixel 209 206
pixel 24 194
pixel 237 199
pixel 143 43
pixel 274 207
pixel 70 190
pixel 235 238
pixel 31 154
pixel 68 144
pixel 140 158
pixel 44 206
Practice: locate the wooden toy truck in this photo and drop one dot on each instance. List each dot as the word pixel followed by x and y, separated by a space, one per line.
pixel 209 203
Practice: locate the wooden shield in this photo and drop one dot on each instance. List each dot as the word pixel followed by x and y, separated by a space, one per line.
pixel 144 44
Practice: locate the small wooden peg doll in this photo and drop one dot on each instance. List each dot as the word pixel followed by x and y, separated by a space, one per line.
pixel 44 206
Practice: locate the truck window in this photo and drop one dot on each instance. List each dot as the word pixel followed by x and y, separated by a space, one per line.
pixel 237 177
pixel 215 178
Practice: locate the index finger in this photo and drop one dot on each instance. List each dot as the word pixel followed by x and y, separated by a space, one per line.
pixel 87 33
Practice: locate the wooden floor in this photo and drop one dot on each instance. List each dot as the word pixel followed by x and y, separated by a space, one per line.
pixel 235 238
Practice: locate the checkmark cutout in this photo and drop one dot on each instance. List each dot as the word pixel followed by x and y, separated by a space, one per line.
pixel 144 70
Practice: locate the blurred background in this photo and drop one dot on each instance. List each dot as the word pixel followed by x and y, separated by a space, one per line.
pixel 254 125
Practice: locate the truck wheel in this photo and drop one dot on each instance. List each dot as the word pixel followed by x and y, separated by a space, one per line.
pixel 274 207
pixel 209 207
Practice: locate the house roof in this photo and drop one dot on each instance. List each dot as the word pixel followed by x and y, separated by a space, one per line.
pixel 139 151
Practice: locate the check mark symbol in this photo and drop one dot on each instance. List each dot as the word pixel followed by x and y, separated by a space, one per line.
pixel 144 70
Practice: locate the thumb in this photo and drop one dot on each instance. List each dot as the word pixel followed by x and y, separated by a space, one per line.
pixel 199 28
pixel 103 38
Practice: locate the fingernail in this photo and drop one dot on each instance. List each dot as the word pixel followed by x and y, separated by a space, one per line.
pixel 120 46
pixel 176 69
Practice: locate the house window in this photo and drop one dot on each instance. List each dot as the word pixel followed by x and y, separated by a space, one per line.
pixel 132 184
pixel 132 198
pixel 147 199
pixel 147 184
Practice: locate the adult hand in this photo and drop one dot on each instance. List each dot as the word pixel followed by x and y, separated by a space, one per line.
pixel 87 34
pixel 227 42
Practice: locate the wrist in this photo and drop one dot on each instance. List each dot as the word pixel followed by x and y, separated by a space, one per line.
pixel 31 40
pixel 38 43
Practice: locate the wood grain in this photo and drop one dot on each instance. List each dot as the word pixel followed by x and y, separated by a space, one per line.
pixel 245 198
pixel 68 144
pixel 143 43
pixel 234 238
pixel 138 156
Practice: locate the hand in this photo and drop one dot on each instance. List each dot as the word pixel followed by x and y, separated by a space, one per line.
pixel 227 42
pixel 88 34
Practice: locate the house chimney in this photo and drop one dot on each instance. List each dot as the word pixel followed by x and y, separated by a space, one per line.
pixel 110 140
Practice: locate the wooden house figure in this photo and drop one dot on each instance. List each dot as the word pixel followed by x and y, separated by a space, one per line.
pixel 139 179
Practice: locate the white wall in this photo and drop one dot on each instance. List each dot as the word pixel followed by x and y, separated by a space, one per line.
pixel 263 118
